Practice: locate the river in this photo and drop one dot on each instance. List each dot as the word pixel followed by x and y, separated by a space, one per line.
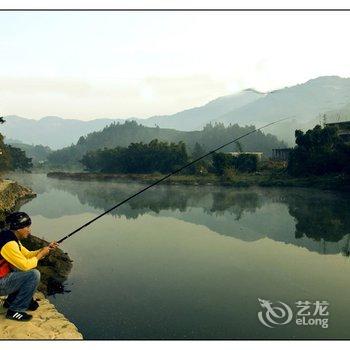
pixel 192 262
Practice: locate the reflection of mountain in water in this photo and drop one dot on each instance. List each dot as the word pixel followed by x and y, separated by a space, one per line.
pixel 312 219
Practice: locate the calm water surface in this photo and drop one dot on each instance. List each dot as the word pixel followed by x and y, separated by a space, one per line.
pixel 185 262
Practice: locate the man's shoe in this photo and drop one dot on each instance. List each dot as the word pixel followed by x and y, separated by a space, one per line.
pixel 18 316
pixel 32 306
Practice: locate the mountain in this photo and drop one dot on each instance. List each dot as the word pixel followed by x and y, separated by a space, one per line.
pixel 54 132
pixel 57 132
pixel 196 118
pixel 122 135
pixel 304 103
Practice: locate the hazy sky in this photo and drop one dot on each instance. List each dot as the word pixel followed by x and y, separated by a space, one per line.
pixel 89 65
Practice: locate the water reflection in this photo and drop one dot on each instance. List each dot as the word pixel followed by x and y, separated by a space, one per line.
pixel 195 261
pixel 313 219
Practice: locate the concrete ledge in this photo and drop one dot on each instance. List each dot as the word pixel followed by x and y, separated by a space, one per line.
pixel 47 323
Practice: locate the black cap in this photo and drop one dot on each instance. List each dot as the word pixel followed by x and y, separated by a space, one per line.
pixel 18 220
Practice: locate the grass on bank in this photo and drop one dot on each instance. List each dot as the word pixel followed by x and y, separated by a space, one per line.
pixel 267 178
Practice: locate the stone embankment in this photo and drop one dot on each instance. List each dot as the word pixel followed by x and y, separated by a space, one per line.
pixel 47 322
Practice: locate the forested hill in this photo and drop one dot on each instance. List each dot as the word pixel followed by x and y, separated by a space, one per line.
pixel 122 135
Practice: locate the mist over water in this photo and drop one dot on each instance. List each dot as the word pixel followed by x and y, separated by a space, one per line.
pixel 190 262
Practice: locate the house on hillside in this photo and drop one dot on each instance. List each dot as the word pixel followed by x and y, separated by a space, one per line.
pixel 343 130
pixel 281 153
pixel 257 154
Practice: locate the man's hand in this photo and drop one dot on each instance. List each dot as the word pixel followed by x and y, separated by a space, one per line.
pixel 43 252
pixel 53 245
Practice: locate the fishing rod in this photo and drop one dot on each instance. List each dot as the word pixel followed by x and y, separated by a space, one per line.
pixel 166 177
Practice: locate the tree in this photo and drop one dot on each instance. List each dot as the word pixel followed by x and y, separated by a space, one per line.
pixel 319 151
pixel 122 135
pixel 19 159
pixel 138 158
pixel 239 146
pixel 5 159
pixel 246 162
pixel 12 158
pixel 222 161
pixel 200 167
pixel 242 162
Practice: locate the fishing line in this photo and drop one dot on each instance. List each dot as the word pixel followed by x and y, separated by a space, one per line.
pixel 166 177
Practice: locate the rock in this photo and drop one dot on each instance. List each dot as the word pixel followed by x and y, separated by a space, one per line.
pixel 47 323
pixel 54 268
pixel 13 194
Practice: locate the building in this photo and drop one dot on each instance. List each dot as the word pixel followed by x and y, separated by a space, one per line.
pixel 281 153
pixel 343 130
pixel 257 154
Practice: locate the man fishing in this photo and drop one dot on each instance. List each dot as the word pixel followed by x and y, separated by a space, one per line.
pixel 19 277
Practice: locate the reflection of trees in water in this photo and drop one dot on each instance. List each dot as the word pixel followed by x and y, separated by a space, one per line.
pixel 103 196
pixel 323 218
pixel 319 216
pixel 213 200
pixel 346 249
pixel 235 203
pixel 159 200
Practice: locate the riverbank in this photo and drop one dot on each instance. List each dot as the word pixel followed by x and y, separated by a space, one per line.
pixel 262 179
pixel 47 322
pixel 13 195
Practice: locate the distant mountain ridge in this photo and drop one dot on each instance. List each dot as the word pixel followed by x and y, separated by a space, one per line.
pixel 57 132
pixel 304 103
pixel 51 131
pixel 196 118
